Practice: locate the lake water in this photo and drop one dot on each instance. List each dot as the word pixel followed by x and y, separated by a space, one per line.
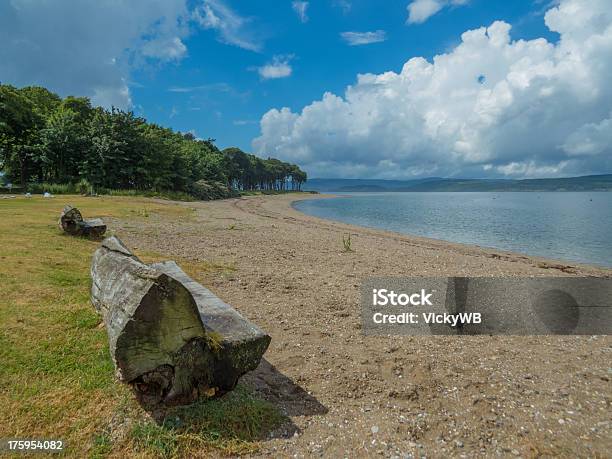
pixel 564 226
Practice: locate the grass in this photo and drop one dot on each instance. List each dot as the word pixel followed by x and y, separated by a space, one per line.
pixel 70 188
pixel 56 376
pixel 74 188
pixel 232 424
pixel 346 243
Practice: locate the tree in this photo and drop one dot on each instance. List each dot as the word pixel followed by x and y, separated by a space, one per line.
pixel 19 141
pixel 64 140
pixel 44 138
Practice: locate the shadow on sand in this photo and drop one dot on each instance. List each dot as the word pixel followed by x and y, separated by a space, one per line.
pixel 280 390
pixel 260 408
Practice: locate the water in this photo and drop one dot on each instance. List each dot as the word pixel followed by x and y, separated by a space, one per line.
pixel 564 226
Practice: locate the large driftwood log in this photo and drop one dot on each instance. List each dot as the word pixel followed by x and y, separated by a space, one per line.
pixel 242 344
pixel 71 221
pixel 170 339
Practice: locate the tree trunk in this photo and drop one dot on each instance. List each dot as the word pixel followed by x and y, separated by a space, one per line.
pixel 93 227
pixel 170 339
pixel 241 343
pixel 71 221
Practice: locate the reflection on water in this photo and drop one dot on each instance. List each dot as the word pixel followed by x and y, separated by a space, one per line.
pixel 568 226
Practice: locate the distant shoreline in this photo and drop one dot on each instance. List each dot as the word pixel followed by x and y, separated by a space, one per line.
pixel 432 184
pixel 459 191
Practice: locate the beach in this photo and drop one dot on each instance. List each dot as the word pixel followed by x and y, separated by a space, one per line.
pixel 353 395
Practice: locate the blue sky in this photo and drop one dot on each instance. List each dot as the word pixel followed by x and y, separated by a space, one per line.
pixel 344 88
pixel 225 96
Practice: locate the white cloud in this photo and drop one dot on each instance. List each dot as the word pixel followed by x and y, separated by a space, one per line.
pixel 530 169
pixel 233 29
pixel 541 108
pixel 363 38
pixel 166 48
pixel 91 47
pixel 87 47
pixel 243 122
pixel 219 87
pixel 590 139
pixel 300 8
pixel 278 68
pixel 421 10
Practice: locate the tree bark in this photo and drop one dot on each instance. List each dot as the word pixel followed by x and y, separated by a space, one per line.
pixel 170 339
pixel 241 344
pixel 71 221
pixel 93 227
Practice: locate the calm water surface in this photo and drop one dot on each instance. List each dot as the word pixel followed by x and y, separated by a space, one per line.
pixel 565 226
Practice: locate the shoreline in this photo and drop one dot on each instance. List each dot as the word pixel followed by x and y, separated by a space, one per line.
pixel 548 263
pixel 346 391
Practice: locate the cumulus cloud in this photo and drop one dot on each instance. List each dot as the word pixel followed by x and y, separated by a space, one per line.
pixel 86 47
pixel 300 8
pixel 278 68
pixel 421 10
pixel 590 139
pixel 363 38
pixel 233 29
pixel 91 47
pixel 490 107
pixel 166 48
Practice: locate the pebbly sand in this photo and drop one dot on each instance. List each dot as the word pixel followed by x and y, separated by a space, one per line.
pixel 350 395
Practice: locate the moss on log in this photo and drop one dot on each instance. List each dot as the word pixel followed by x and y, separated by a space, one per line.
pixel 170 339
pixel 71 221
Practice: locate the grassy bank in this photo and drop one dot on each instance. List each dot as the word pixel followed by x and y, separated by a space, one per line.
pixel 56 376
pixel 209 195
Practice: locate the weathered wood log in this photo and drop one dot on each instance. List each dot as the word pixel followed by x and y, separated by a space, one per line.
pixel 71 221
pixel 170 345
pixel 242 344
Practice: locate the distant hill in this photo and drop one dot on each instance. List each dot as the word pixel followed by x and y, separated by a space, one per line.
pixel 333 184
pixel 585 183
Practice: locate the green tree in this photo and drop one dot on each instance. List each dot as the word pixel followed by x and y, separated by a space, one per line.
pixel 44 138
pixel 64 140
pixel 19 140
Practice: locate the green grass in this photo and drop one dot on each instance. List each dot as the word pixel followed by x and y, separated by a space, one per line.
pixel 346 243
pixel 69 188
pixel 74 188
pixel 173 195
pixel 231 424
pixel 56 377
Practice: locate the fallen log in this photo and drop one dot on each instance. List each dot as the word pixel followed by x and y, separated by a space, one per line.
pixel 242 344
pixel 171 339
pixel 71 221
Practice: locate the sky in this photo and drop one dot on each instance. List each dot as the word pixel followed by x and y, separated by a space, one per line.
pixel 393 89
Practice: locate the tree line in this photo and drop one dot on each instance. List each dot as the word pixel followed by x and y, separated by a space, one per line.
pixel 47 139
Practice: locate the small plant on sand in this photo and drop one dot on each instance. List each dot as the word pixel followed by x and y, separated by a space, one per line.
pixel 232 226
pixel 346 242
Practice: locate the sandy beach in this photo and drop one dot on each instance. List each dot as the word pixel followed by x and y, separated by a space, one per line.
pixel 351 395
